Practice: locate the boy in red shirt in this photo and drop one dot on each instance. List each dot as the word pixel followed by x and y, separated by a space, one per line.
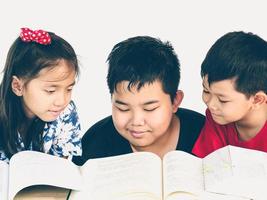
pixel 235 91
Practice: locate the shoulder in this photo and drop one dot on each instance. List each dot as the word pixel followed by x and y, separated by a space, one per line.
pixel 69 114
pixel 97 138
pixel 100 136
pixel 68 119
pixel 102 140
pixel 191 123
pixel 100 128
pixel 187 114
pixel 70 111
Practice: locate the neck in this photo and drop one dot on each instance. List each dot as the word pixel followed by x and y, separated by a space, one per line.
pixel 167 142
pixel 250 126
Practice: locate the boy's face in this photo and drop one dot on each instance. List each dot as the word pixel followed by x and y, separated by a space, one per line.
pixel 224 102
pixel 47 95
pixel 143 117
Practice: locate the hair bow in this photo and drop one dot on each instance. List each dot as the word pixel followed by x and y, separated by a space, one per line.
pixel 38 36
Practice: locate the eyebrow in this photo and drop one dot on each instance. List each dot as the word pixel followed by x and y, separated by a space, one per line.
pixel 55 85
pixel 120 102
pixel 151 102
pixel 220 95
pixel 146 103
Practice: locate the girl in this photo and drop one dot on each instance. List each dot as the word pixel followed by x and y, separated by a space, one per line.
pixel 36 111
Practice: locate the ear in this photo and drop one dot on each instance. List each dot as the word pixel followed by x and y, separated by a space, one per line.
pixel 177 100
pixel 259 99
pixel 17 85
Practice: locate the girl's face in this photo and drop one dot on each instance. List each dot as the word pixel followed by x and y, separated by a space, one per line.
pixel 48 94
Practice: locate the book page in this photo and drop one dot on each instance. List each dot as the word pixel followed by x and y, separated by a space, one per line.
pixel 182 175
pixel 249 172
pixel 236 171
pixel 214 196
pixel 34 168
pixel 135 176
pixel 217 170
pixel 205 196
pixel 4 180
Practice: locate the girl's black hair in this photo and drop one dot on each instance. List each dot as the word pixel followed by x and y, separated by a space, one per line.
pixel 25 60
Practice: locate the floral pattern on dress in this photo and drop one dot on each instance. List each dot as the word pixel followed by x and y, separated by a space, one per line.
pixel 61 137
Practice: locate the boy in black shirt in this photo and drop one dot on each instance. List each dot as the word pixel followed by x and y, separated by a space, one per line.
pixel 143 78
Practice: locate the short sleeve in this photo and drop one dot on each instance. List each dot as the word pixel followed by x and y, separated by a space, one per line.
pixel 63 137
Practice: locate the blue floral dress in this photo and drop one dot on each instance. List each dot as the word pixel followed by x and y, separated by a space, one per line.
pixel 61 137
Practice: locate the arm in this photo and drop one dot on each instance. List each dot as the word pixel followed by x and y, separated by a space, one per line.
pixel 212 137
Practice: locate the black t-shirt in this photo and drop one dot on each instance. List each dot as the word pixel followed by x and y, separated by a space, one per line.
pixel 103 140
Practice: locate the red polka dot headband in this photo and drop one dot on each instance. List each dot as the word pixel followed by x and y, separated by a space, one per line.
pixel 38 36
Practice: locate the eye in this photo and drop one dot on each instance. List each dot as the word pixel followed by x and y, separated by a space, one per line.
pixel 150 109
pixel 206 91
pixel 223 101
pixel 50 91
pixel 69 89
pixel 122 110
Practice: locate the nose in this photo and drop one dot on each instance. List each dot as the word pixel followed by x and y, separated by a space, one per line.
pixel 137 119
pixel 61 99
pixel 211 104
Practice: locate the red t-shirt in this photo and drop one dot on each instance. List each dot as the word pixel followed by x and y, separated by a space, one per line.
pixel 214 136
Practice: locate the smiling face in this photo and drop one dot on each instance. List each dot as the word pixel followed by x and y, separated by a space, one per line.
pixel 144 117
pixel 48 94
pixel 224 102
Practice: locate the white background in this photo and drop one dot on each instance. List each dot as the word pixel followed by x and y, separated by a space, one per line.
pixel 94 27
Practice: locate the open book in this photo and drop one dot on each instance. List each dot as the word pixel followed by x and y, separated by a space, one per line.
pixel 28 168
pixel 230 173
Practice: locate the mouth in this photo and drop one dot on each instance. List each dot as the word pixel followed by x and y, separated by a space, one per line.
pixel 218 118
pixel 215 115
pixel 137 134
pixel 55 112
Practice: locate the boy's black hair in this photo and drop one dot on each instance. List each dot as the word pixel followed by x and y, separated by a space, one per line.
pixel 141 60
pixel 240 56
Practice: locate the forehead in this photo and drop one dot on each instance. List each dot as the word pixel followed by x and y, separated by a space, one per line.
pixel 223 88
pixel 124 87
pixel 60 72
pixel 146 92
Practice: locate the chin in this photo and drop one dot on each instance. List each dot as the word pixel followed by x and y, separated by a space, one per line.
pixel 221 122
pixel 140 144
pixel 48 119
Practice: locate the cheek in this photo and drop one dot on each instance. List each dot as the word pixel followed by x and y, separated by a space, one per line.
pixel 238 108
pixel 32 99
pixel 120 120
pixel 204 97
pixel 68 97
pixel 160 120
pixel 231 112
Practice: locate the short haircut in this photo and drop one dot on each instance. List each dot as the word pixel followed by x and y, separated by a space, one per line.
pixel 240 56
pixel 142 60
